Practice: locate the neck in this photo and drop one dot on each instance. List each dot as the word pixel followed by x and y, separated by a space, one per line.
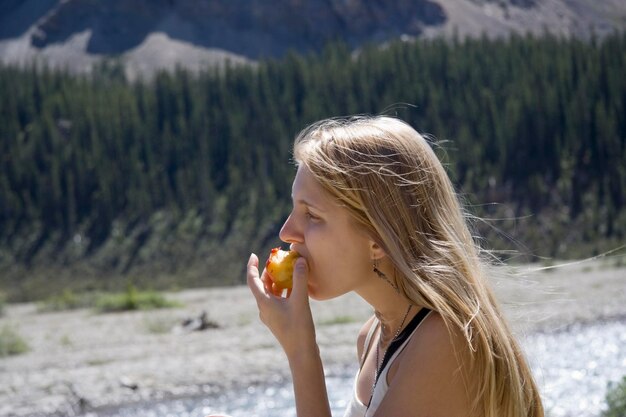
pixel 390 328
pixel 390 307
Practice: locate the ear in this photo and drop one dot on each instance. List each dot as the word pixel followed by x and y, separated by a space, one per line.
pixel 376 251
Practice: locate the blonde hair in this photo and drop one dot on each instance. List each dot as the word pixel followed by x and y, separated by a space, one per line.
pixel 396 189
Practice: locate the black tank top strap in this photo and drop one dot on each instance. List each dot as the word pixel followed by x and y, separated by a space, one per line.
pixel 404 335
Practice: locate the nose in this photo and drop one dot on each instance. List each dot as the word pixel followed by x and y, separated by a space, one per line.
pixel 290 232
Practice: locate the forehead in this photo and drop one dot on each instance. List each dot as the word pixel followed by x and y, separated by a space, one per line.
pixel 308 191
pixel 306 187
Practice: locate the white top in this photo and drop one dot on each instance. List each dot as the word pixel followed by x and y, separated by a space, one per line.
pixel 356 408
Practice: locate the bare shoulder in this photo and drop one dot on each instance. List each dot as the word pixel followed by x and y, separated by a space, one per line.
pixel 436 347
pixel 431 375
pixel 360 340
pixel 435 335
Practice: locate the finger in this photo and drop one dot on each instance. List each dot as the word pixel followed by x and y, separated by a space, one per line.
pixel 300 279
pixel 254 282
pixel 267 282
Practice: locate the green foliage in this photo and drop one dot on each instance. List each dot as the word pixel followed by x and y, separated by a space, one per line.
pixel 66 341
pixel 11 343
pixel 132 299
pixel 179 178
pixel 3 301
pixel 341 319
pixel 67 300
pixel 616 400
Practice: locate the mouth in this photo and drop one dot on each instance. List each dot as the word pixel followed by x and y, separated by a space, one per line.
pixel 293 248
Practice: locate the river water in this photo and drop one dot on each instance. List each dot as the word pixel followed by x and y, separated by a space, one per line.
pixel 572 367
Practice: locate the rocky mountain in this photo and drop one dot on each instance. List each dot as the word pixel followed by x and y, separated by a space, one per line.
pixel 253 28
pixel 153 34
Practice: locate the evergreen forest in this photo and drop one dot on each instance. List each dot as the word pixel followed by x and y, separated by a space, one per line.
pixel 172 182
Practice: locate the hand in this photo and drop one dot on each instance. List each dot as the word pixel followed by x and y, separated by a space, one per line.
pixel 289 319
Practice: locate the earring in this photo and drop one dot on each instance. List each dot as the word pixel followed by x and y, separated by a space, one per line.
pixel 382 275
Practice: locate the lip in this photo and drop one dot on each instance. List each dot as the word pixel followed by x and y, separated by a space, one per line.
pixel 300 252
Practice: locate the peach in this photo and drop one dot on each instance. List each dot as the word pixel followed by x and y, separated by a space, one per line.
pixel 279 267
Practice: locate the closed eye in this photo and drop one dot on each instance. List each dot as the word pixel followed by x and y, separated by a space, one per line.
pixel 311 216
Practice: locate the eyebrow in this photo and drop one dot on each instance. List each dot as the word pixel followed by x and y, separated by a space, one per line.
pixel 307 203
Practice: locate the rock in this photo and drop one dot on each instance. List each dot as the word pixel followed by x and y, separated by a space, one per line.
pixel 126 382
pixel 147 36
pixel 198 323
pixel 250 28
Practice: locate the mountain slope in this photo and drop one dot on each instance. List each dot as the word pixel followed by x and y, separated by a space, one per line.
pixel 149 35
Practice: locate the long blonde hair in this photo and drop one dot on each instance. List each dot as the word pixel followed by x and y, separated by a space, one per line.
pixel 396 189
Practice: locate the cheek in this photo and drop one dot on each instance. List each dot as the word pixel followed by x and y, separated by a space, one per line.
pixel 338 268
pixel 338 258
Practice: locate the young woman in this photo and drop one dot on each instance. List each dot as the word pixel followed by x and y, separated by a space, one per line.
pixel 374 212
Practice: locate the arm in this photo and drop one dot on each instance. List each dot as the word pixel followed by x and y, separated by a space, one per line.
pixel 428 379
pixel 309 385
pixel 291 322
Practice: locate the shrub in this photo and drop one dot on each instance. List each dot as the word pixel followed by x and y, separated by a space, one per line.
pixel 11 343
pixel 67 300
pixel 616 399
pixel 133 300
pixel 341 319
pixel 3 301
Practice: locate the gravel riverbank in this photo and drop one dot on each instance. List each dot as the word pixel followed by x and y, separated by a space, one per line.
pixel 81 361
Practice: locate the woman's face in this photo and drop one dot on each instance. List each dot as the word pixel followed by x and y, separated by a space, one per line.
pixel 336 251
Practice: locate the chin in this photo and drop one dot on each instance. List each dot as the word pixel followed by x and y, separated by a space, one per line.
pixel 317 295
pixel 312 293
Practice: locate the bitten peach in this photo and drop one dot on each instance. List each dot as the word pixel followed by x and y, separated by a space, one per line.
pixel 279 267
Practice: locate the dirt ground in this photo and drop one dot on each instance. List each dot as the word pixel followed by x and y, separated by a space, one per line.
pixel 80 360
